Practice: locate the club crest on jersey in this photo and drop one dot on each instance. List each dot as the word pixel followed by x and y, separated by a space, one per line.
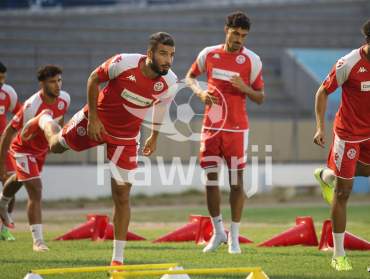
pixel 158 86
pixel 81 131
pixel 351 154
pixel 240 59
pixel 61 105
pixel 2 110
pixel 2 96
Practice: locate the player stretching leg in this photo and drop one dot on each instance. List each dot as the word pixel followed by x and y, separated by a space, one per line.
pixel 134 82
pixel 234 73
pixel 349 154
pixel 28 155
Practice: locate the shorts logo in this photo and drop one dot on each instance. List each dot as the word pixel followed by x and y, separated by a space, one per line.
pixel 81 131
pixel 351 154
pixel 2 96
pixel 240 59
pixel 61 105
pixel 158 86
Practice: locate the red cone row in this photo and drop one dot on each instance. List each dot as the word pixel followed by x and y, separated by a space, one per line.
pixel 97 227
pixel 198 229
pixel 303 233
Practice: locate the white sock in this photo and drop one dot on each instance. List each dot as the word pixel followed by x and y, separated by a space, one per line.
pixel 118 249
pixel 338 239
pixel 36 231
pixel 327 175
pixel 234 230
pixel 45 118
pixel 4 201
pixel 218 226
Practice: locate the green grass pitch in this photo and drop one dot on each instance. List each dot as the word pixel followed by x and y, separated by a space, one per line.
pixel 17 258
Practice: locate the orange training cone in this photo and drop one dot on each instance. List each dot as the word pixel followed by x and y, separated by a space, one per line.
pixel 303 233
pixel 94 228
pixel 351 242
pixel 187 232
pixel 109 235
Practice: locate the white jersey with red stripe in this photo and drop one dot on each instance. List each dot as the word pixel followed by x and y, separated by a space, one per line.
pixel 128 94
pixel 220 66
pixel 32 107
pixel 352 73
pixel 8 103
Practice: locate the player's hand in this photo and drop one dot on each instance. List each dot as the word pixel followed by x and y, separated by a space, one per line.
pixel 319 138
pixel 239 83
pixel 95 129
pixel 150 145
pixel 207 98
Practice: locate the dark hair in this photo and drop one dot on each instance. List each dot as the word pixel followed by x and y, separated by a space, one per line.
pixel 160 38
pixel 238 19
pixel 366 30
pixel 48 71
pixel 3 69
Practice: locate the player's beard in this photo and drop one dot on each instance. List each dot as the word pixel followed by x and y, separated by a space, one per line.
pixel 155 67
pixel 50 94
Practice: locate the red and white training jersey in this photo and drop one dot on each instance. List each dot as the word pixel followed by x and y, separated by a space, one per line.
pixel 8 103
pixel 220 66
pixel 128 94
pixel 352 73
pixel 32 107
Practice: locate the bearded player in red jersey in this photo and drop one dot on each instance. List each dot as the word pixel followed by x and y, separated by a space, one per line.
pixel 233 74
pixel 8 103
pixel 349 154
pixel 135 82
pixel 28 156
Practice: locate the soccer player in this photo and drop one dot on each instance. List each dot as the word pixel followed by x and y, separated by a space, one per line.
pixel 28 155
pixel 8 103
pixel 134 82
pixel 349 154
pixel 233 74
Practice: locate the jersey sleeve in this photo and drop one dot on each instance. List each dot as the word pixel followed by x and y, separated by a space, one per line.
pixel 337 76
pixel 14 104
pixel 17 107
pixel 256 79
pixel 199 65
pixel 17 121
pixel 111 68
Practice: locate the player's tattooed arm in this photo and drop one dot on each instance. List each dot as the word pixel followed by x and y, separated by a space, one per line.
pixel 321 100
pixel 256 96
pixel 95 128
pixel 203 95
pixel 5 141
